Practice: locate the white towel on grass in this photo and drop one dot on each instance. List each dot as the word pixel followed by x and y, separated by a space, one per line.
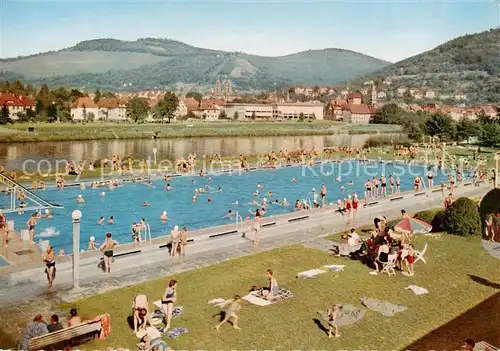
pixel 335 267
pixel 256 300
pixel 312 273
pixel 157 304
pixel 417 290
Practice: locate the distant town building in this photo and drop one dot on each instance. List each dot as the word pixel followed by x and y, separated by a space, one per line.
pixel 112 110
pixel 355 98
pixel 224 92
pixel 387 81
pixel 430 94
pixel 460 96
pixel 357 114
pixel 84 110
pixel 401 90
pixel 373 95
pixel 16 104
pixel 280 111
pixel 382 95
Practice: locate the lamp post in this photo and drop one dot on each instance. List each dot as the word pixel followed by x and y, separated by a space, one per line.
pixel 497 158
pixel 76 215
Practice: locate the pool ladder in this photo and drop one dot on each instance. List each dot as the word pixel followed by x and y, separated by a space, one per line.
pixel 147 234
pixel 239 220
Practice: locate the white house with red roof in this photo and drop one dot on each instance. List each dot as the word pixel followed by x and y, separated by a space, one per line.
pixel 430 94
pixel 84 110
pixel 357 114
pixel 460 96
pixel 355 98
pixel 16 104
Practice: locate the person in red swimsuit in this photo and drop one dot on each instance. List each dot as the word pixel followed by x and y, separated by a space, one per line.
pixel 355 204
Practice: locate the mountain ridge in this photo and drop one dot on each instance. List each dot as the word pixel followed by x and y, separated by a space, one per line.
pixel 149 62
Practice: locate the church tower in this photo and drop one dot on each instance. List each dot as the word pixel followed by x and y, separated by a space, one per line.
pixel 229 87
pixel 373 98
pixel 218 89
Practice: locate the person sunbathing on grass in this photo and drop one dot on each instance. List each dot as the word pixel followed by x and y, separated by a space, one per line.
pixel 231 308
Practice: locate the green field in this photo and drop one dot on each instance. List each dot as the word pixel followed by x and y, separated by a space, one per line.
pixel 290 324
pixel 107 131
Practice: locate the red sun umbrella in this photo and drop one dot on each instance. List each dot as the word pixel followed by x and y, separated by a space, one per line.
pixel 413 226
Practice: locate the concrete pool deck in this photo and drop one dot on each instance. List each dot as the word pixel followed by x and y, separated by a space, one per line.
pixel 146 262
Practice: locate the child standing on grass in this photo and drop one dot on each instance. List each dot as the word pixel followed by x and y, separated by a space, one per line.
pixel 232 308
pixel 334 313
pixel 410 259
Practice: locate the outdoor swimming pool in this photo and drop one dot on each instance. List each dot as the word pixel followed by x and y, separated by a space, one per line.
pixel 125 202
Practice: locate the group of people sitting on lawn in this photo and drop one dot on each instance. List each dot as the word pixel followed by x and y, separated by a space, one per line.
pixel 374 251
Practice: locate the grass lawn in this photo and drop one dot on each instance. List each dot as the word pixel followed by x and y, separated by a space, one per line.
pixel 290 324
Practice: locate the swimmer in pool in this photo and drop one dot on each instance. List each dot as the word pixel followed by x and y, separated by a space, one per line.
pixel 236 203
pixel 82 186
pixel 256 193
pixel 80 199
pixel 209 180
pixel 228 215
pixel 146 204
pixel 100 221
pixel 111 220
pixel 294 180
pixel 48 214
pixel 269 193
pixel 163 216
pixel 263 203
pixel 168 187
pixel 284 203
pixel 103 194
pixel 194 199
pixel 220 189
pixel 259 186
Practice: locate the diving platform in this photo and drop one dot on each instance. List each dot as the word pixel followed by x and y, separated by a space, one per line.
pixel 31 199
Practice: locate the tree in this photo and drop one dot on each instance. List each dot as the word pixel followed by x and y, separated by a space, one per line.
pixel 414 131
pixel 301 117
pixel 222 114
pixel 91 116
pixel 52 113
pixel 388 114
pixel 466 129
pixel 195 95
pixel 442 126
pixel 253 116
pixel 236 115
pixel 137 109
pixel 30 114
pixel 5 115
pixel 97 96
pixel 490 135
pixel 167 107
pixel 190 115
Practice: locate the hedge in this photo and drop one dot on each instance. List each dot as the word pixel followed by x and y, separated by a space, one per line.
pixel 463 218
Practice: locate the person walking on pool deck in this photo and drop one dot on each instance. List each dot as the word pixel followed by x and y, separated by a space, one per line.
pixel 183 241
pixel 323 195
pixel 107 250
pixel 49 257
pixel 31 227
pixel 232 308
pixel 175 238
pixel 168 300
pixel 256 227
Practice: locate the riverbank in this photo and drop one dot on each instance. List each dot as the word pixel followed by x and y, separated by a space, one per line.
pixel 108 131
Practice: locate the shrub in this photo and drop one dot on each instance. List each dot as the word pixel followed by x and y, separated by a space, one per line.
pixel 463 218
pixel 490 202
pixel 384 140
pixel 434 217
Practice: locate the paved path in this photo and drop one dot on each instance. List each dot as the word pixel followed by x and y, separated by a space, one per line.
pixel 492 248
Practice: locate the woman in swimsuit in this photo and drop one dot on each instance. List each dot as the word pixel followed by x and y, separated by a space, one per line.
pixel 416 183
pixel 375 193
pixel 256 227
pixel 430 179
pixel 107 250
pixel 355 204
pixel 383 184
pixel 272 289
pixel 175 238
pixel 168 300
pixel 348 206
pixel 31 227
pixel 183 241
pixel 398 185
pixel 49 257
pixel 452 183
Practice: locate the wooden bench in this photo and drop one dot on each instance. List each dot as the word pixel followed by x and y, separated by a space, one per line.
pixel 65 336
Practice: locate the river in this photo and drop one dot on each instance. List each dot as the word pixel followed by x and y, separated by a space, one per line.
pixel 13 156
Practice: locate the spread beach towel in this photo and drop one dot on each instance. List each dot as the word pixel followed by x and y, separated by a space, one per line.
pixel 312 273
pixel 176 312
pixel 335 267
pixel 349 315
pixel 256 298
pixel 218 301
pixel 417 290
pixel 383 307
pixel 175 332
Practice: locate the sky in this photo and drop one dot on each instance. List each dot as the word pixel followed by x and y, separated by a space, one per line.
pixel 390 30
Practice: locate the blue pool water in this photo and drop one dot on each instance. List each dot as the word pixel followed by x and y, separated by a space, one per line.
pixel 125 202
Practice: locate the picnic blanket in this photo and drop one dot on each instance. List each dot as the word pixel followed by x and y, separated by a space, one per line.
pixel 217 302
pixel 349 315
pixel 312 273
pixel 384 307
pixel 256 297
pixel 417 289
pixel 335 267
